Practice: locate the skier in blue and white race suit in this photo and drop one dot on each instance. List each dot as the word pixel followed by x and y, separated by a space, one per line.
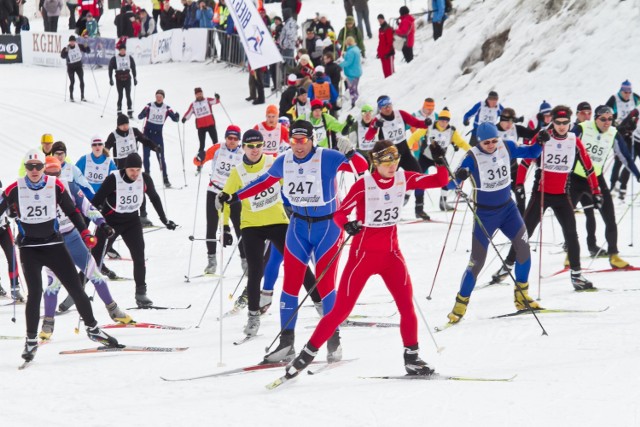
pixel 309 175
pixel 97 165
pixel 487 111
pixel 488 165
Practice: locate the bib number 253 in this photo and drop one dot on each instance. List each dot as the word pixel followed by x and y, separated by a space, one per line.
pixel 384 215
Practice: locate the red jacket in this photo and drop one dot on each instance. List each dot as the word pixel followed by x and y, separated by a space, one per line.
pixel 385 40
pixel 407 28
pixel 90 6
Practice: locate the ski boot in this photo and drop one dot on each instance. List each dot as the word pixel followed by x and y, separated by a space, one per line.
pixel 167 184
pixel 421 214
pixel 113 254
pixel 109 273
pixel 145 221
pixel 265 300
pixel 30 349
pixel 66 304
pixel 597 251
pixel 3 293
pixel 142 300
pixel 98 335
pixel 334 348
pixel 616 262
pixel 621 194
pixel 502 273
pixel 445 206
pixel 579 282
pixel 520 297
pixel 302 361
pixel 212 264
pixel 242 301
pixel 130 114
pixel 253 324
pixel 413 364
pixel 117 315
pixel 47 328
pixel 459 309
pixel 285 352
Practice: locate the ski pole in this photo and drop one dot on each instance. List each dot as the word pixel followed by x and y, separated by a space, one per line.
pixel 446 237
pixel 203 239
pixel 426 324
pixel 488 236
pixel 184 173
pixel 66 77
pixel 195 216
pixel 86 269
pixel 331 261
pixel 92 66
pixel 106 101
pixel 221 281
pixel 225 112
pixel 464 217
pixel 541 222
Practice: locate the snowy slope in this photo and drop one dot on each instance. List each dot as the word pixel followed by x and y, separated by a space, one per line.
pixel 584 373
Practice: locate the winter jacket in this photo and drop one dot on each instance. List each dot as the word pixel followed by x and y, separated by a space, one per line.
pixel 53 7
pixel 92 28
pixel 123 24
pixel 91 7
pixel 385 41
pixel 334 72
pixel 189 12
pixel 437 8
pixel 351 64
pixel 170 19
pixel 354 32
pixel 147 27
pixel 407 28
pixel 314 48
pixel 322 29
pixel 289 34
pixel 333 93
pixel 205 17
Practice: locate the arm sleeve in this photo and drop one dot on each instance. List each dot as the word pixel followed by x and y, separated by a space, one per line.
pixel 108 186
pixel 417 180
pixel 355 194
pixel 524 151
pixel 412 121
pixel 472 111
pixel 371 132
pixel 173 115
pixel 110 142
pixel 209 154
pixel 357 162
pixel 189 112
pixel 81 164
pixel 415 138
pixel 133 66
pixel 69 207
pixel 273 175
pixel 144 113
pixel 63 53
pixel 150 189
pixel 143 139
pixel 622 153
pixel 468 163
pixel 82 182
pixel 525 132
pixel 459 141
pixel 112 66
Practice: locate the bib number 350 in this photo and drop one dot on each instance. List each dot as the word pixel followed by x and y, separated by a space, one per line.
pixel 129 199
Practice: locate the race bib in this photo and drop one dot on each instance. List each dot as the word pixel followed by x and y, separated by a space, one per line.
pixel 303 181
pixel 37 206
pixel 494 169
pixel 382 207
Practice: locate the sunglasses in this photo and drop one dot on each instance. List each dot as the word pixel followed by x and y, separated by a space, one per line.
pixel 232 138
pixel 507 119
pixel 490 141
pixel 561 122
pixel 59 153
pixel 602 119
pixel 443 119
pixel 302 140
pixel 34 166
pixel 98 144
pixel 253 146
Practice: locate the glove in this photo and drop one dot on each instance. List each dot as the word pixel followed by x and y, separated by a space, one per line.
pixel 428 122
pixel 348 123
pixel 462 174
pixel 465 122
pixel 519 119
pixel 217 96
pixel 391 53
pixel 437 152
pixel 377 56
pixel 107 230
pixel 157 149
pixel 225 198
pixel 543 137
pixel 520 196
pixel 598 201
pixel 328 106
pixel 378 124
pixel 227 237
pixel 171 225
pixel 111 82
pixel 177 116
pixel 353 227
pixel 183 120
pixel 345 145
pixel 89 239
pixel 135 81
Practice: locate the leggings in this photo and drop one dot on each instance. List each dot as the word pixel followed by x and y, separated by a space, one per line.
pixel 202 135
pixel 360 267
pixel 212 223
pixel 579 190
pixel 156 137
pixel 57 258
pixel 72 71
pixel 84 261
pixel 6 241
pixel 124 86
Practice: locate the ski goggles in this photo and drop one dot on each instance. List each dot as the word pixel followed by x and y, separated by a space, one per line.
pixel 386 156
pixel 97 144
pixel 254 145
pixel 302 140
pixel 232 138
pixel 562 122
pixel 34 166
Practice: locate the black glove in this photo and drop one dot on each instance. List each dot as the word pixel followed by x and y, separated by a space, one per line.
pixel 135 81
pixel 227 237
pixel 217 96
pixel 348 123
pixel 171 225
pixel 543 137
pixel 520 195
pixel 391 53
pixel 111 82
pixel 177 116
pixel 183 120
pixel 107 229
pixel 598 201
pixel 378 124
pixel 353 227
pixel 428 122
pixel 519 119
pixel 157 149
pixel 465 122
pixel 437 152
pixel 462 174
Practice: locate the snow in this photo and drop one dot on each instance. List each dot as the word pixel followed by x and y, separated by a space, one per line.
pixel 583 373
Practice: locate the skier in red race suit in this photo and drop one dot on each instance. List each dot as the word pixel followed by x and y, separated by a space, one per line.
pixel 377 199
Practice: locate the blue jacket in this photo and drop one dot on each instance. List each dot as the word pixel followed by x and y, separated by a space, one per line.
pixel 437 11
pixel 190 20
pixel 351 64
pixel 334 93
pixel 205 17
pixel 475 111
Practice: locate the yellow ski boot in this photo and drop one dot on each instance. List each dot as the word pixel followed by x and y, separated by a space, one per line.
pixel 617 262
pixel 459 309
pixel 117 315
pixel 47 328
pixel 520 297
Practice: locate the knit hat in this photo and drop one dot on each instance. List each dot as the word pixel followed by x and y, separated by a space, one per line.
pixel 545 108
pixel 160 92
pixel 47 138
pixel 486 131
pixel 429 104
pixel 58 146
pixel 380 16
pixel 52 164
pixel 72 38
pixel 284 121
pixel 626 86
pixel 383 101
pixel 316 103
pixel 404 10
pixel 444 114
pixel 197 90
pixel 122 119
pixel 302 91
pixel 602 109
pixel 584 105
pixel 252 136
pixel 232 130
pixel 561 112
pixel 292 79
pixel 133 160
pixel 272 109
pixel 96 140
pixel 492 95
pixel 34 156
pixel 301 128
pixel 366 108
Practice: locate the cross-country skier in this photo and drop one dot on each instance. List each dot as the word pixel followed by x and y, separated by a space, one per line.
pixel 485 111
pixel 488 165
pixel 325 126
pixel 301 105
pixel 9 248
pixel 377 200
pixel 309 175
pixel 155 114
pixel 276 135
pixel 46 142
pixel 119 199
pixel 96 165
pixel 35 200
pixel 70 172
pixel 205 122
pixel 73 54
pixel 125 67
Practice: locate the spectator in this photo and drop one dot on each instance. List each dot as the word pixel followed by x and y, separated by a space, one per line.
pixel 256 87
pixel 147 24
pixel 170 18
pixel 91 26
pixel 350 30
pixel 16 18
pixel 348 7
pixel 265 18
pixel 276 28
pixel 385 52
pixel 289 95
pixel 293 6
pixel 352 68
pixel 6 10
pixel 43 12
pixel 124 22
pixel 221 15
pixel 189 13
pixel 136 24
pixel 362 14
pixel 73 6
pixel 92 7
pixel 157 10
pixel 331 69
pixel 313 45
pixel 438 16
pixel 134 9
pixel 53 8
pixel 406 30
pixel 322 27
pixel 204 15
pixel 304 71
pixel 288 38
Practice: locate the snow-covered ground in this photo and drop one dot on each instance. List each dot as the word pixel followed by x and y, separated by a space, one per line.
pixel 584 373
